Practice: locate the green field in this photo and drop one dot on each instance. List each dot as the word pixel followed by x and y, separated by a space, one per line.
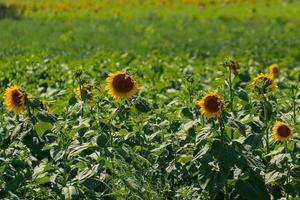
pixel 157 144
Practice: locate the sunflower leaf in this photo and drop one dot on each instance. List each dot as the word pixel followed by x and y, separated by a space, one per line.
pixel 45 116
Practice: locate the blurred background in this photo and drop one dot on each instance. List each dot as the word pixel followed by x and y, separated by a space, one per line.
pixel 203 28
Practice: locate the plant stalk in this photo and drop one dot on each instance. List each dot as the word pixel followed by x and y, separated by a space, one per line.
pixel 221 130
pixel 266 124
pixel 287 166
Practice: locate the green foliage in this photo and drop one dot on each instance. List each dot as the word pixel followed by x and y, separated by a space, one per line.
pixel 157 145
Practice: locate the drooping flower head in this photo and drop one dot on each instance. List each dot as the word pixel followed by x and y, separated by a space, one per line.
pixel 263 84
pixel 234 67
pixel 274 70
pixel 15 99
pixel 211 105
pixel 121 85
pixel 282 131
pixel 84 92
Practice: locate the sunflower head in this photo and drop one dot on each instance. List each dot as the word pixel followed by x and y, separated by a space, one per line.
pixel 234 67
pixel 282 131
pixel 84 92
pixel 263 84
pixel 15 99
pixel 274 70
pixel 121 85
pixel 211 105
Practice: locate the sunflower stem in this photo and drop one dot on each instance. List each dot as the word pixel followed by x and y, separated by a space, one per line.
pixel 111 135
pixel 266 123
pixel 91 110
pixel 226 191
pixel 294 91
pixel 294 104
pixel 202 120
pixel 221 130
pixel 110 131
pixel 80 89
pixel 287 166
pixel 64 141
pixel 28 110
pixel 231 99
pixel 111 118
pixel 214 124
pixel 65 168
pixel 230 90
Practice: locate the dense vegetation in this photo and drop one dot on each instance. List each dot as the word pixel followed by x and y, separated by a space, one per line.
pixel 62 144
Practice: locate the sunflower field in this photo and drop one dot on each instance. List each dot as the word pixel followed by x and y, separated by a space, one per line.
pixel 153 99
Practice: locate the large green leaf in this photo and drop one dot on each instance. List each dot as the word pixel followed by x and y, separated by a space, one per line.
pixel 45 116
pixel 70 192
pixel 41 128
pixel 252 188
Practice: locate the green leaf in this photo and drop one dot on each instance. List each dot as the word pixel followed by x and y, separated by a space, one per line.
pixel 16 182
pixel 246 158
pixel 72 101
pixel 76 149
pixel 215 167
pixel 102 139
pixel 45 116
pixel 16 131
pixel 252 188
pixel 246 190
pixel 273 176
pixel 88 172
pixel 187 112
pixel 42 127
pixel 159 150
pixel 70 192
pixel 269 109
pixel 35 103
pixel 42 180
pixel 279 158
pixel 183 159
pixel 13 196
pixel 121 151
pixel 141 104
pixel 242 94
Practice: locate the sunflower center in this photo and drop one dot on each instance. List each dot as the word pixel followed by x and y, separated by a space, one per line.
pixel 275 70
pixel 212 104
pixel 85 94
pixel 16 97
pixel 122 83
pixel 283 131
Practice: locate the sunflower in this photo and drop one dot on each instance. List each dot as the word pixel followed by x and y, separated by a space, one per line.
pixel 15 99
pixel 84 92
pixel 262 84
pixel 234 67
pixel 274 69
pixel 211 105
pixel 121 85
pixel 282 131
